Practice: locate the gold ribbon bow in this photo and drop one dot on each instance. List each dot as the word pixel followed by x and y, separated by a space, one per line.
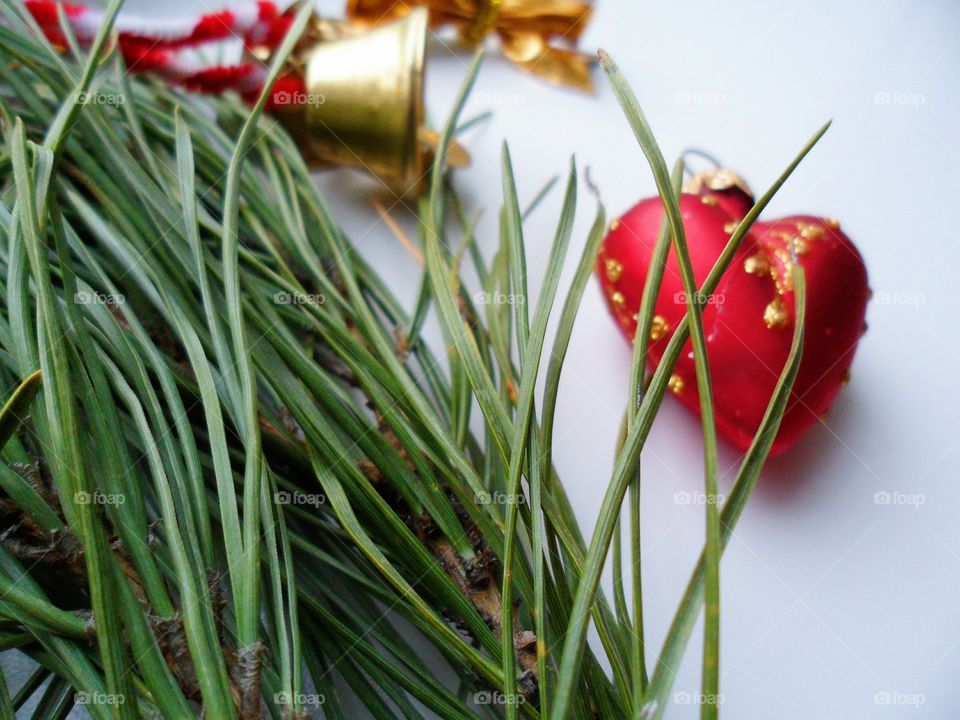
pixel 528 30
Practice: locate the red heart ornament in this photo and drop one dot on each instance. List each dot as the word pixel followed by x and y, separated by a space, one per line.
pixel 748 322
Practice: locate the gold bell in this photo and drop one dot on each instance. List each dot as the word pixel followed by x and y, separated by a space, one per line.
pixel 364 105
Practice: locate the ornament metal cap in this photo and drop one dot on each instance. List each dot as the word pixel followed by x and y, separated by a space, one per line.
pixel 716 178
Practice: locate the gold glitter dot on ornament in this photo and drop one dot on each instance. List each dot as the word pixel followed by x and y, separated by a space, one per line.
pixel 659 327
pixel 614 269
pixel 617 298
pixel 758 264
pixel 832 223
pixel 810 231
pixel 675 384
pixel 614 224
pixel 709 200
pixel 784 281
pixel 775 315
pixel 730 226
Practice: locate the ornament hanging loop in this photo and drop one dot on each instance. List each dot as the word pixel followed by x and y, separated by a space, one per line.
pixel 697 152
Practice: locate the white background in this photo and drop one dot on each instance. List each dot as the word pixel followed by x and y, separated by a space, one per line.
pixel 832 603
